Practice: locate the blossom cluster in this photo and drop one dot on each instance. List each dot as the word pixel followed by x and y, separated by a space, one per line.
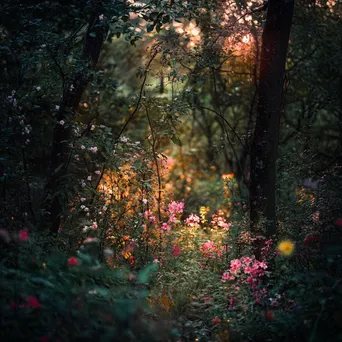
pixel 210 250
pixel 193 220
pixel 219 221
pixel 249 269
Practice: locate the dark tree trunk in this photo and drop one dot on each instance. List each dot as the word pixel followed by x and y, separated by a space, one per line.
pixel 264 148
pixel 55 204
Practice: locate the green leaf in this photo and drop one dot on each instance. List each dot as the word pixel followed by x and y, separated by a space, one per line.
pixel 176 140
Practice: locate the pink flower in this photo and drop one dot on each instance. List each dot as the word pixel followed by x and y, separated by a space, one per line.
pixel 192 220
pixel 172 219
pixel 165 227
pixel 262 265
pixel 152 219
pixel 73 261
pixel 246 260
pixel 176 207
pixel 23 235
pixel 235 266
pixel 226 276
pixel 176 250
pixel 210 250
pixel 147 213
pixel 94 225
pixel 33 302
pixel 207 245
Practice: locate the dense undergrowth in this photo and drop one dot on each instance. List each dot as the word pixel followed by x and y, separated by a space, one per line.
pixel 183 277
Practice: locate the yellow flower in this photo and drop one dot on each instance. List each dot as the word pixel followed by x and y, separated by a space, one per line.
pixel 203 213
pixel 286 247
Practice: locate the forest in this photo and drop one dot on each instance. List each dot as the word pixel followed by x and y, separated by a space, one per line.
pixel 171 171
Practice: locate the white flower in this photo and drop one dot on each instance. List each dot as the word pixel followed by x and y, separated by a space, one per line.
pixel 144 200
pixel 101 16
pixel 83 199
pixel 93 149
pixel 82 147
pixel 57 107
pixel 38 88
pixel 98 172
pixel 137 142
pixel 123 139
pixel 89 178
pixel 92 127
pixel 83 206
pixel 156 261
pixel 62 122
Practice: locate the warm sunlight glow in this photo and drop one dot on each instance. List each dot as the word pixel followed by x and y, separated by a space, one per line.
pixel 246 39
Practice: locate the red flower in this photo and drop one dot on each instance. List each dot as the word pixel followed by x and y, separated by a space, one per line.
pixel 73 261
pixel 33 302
pixel 339 222
pixel 311 238
pixel 216 320
pixel 269 315
pixel 176 251
pixel 23 235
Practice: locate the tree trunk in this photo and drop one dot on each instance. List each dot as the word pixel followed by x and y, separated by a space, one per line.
pixel 264 150
pixel 54 203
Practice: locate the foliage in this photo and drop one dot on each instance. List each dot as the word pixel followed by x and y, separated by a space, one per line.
pixel 53 298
